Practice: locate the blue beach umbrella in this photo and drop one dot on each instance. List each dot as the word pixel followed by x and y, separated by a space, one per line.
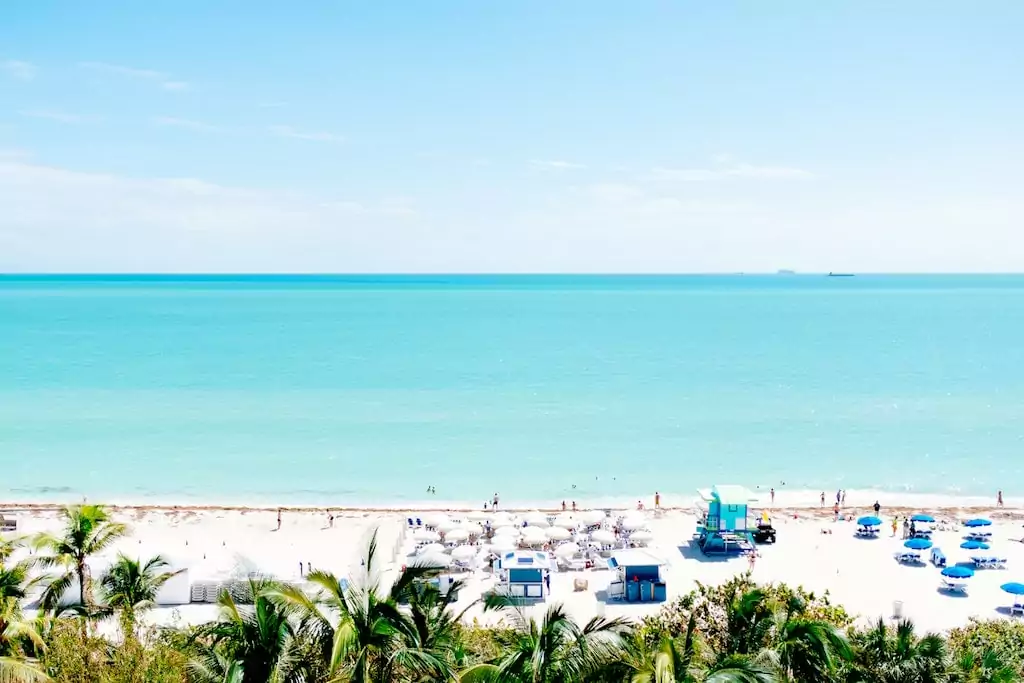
pixel 869 521
pixel 974 545
pixel 922 518
pixel 918 544
pixel 1013 588
pixel 977 522
pixel 958 572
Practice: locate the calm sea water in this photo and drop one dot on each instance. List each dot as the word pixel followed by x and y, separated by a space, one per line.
pixel 365 390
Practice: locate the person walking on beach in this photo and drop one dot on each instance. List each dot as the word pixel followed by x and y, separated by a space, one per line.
pixel 278 519
pixel 822 499
pixel 330 520
pixel 906 529
pixel 773 496
pixel 563 506
pixel 839 496
pixel 657 500
pixel 574 506
pixel 999 499
pixel 878 508
pixel 835 512
pixel 495 501
pixel 843 501
pixel 894 525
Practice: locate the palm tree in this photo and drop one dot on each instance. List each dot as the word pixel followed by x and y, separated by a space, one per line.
pixel 556 650
pixel 88 530
pixel 213 667
pixel 673 662
pixel 358 633
pixel 18 637
pixel 254 639
pixel 884 655
pixel 988 667
pixel 130 586
pixel 804 649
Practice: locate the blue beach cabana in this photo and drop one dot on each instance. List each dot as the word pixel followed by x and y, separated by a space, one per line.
pixel 724 528
pixel 639 576
pixel 523 573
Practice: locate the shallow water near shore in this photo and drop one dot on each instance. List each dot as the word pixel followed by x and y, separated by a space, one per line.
pixel 365 390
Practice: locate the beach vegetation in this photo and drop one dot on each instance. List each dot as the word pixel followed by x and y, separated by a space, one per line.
pixel 130 586
pixel 88 531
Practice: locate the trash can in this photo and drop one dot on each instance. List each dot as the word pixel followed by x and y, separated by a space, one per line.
pixel 897 609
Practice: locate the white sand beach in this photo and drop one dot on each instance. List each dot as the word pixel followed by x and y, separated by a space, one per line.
pixel 812 550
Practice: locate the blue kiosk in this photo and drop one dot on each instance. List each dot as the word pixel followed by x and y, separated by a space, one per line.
pixel 724 528
pixel 523 573
pixel 639 576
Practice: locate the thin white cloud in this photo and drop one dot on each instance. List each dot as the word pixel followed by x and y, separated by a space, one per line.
pixel 52 115
pixel 187 124
pixel 19 70
pixel 725 172
pixel 556 164
pixel 289 132
pixel 163 79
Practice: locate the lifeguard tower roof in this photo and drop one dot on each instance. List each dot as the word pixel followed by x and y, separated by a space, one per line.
pixel 727 494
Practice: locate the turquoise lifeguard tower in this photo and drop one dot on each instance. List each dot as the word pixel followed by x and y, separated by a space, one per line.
pixel 724 527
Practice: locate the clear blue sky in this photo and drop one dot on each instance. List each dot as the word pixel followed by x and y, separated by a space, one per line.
pixel 511 136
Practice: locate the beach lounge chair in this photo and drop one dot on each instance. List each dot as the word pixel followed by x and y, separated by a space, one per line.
pixel 411 523
pixel 938 557
pixel 954 586
pixel 1017 606
pixel 907 557
pixel 419 522
pixel 988 562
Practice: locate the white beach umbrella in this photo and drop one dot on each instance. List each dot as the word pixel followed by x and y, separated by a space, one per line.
pixel 447 525
pixel 433 560
pixel 500 518
pixel 567 520
pixel 478 515
pixel 431 549
pixel 503 544
pixel 426 535
pixel 472 528
pixel 567 550
pixel 456 535
pixel 557 533
pixel 592 516
pixel 641 536
pixel 536 518
pixel 464 552
pixel 435 519
pixel 534 535
pixel 633 523
pixel 512 531
pixel 602 536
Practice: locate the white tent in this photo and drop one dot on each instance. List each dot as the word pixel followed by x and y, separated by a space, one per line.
pixel 602 536
pixel 633 523
pixel 534 535
pixel 426 535
pixel 456 535
pixel 593 516
pixel 536 518
pixel 557 533
pixel 435 519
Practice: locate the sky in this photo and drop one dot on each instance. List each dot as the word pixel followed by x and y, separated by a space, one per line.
pixel 525 136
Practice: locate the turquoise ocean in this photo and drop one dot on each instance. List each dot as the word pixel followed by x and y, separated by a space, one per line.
pixel 364 390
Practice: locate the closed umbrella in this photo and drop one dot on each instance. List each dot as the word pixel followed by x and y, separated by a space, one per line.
pixel 557 533
pixel 918 544
pixel 602 536
pixel 567 550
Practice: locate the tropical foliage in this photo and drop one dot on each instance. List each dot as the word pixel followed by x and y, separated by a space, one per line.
pixel 365 630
